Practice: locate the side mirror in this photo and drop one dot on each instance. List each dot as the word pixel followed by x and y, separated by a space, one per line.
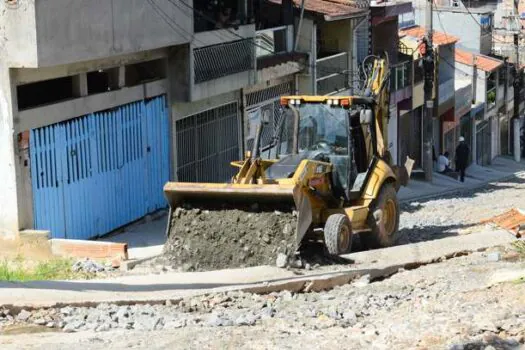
pixel 366 116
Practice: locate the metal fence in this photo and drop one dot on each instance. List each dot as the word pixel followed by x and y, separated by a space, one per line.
pixel 206 144
pixel 216 61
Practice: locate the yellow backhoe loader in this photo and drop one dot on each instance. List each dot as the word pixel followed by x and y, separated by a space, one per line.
pixel 328 161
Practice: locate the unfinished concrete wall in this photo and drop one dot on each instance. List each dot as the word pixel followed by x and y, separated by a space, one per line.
pixel 18 34
pixel 9 210
pixel 79 30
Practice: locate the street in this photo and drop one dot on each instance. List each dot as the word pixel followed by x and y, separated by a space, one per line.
pixel 466 302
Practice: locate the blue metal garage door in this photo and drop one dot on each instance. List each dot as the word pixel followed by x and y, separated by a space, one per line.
pixel 93 174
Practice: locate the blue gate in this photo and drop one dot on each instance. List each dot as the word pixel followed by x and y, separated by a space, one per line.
pixel 93 174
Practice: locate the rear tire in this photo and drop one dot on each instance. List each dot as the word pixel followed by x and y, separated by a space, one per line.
pixel 383 220
pixel 338 234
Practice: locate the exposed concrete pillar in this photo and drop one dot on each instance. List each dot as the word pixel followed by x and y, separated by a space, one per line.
pixel 121 76
pixel 80 86
pixel 9 210
pixel 180 73
pixel 517 148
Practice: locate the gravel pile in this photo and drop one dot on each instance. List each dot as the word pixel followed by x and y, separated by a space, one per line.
pixel 90 266
pixel 230 238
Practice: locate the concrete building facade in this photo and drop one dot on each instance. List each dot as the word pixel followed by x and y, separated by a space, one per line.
pixel 102 102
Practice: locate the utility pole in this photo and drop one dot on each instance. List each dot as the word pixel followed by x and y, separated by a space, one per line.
pixel 517 92
pixel 428 66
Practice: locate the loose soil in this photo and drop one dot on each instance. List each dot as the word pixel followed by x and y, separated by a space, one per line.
pixel 229 238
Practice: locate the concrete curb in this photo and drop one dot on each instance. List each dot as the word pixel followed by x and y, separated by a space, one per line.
pixel 128 265
pixel 89 249
pixel 460 189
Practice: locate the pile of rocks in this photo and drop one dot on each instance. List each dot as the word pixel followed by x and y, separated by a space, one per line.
pixel 90 266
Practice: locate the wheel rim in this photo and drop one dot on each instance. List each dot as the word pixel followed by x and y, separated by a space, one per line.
pixel 344 238
pixel 389 216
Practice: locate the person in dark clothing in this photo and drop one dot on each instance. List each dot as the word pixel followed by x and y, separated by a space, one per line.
pixel 462 154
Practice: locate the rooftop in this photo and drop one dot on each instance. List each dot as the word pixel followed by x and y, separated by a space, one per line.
pixel 484 63
pixel 438 38
pixel 330 9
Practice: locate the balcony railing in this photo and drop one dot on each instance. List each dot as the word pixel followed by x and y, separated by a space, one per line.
pixel 400 76
pixel 332 73
pixel 273 41
pixel 216 61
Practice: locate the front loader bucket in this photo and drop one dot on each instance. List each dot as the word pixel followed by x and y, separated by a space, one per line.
pixel 177 193
pixel 229 225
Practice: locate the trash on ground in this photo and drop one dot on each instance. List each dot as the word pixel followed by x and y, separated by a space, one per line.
pixel 512 220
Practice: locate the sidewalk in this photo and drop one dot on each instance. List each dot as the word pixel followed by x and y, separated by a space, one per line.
pixel 171 286
pixel 477 176
pixel 145 238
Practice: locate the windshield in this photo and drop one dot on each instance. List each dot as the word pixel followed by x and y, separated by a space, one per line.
pixel 321 127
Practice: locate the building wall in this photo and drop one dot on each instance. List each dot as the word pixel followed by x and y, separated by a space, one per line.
pixel 307 43
pixel 8 162
pixel 446 63
pixel 53 32
pixel 447 20
pixel 384 38
pixel 15 187
pixel 479 85
pixel 469 30
pixel 336 36
pixel 18 34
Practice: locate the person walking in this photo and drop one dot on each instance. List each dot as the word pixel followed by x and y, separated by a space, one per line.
pixel 462 154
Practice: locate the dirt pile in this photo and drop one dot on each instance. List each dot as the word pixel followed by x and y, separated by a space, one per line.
pixel 229 238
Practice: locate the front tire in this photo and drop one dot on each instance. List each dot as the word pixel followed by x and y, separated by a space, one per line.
pixel 383 220
pixel 338 234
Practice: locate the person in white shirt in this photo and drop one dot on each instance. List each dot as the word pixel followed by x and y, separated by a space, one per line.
pixel 444 163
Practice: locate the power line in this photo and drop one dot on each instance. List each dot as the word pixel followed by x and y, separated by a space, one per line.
pixel 168 20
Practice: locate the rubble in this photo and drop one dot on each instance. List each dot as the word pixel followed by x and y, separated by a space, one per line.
pixel 230 238
pixel 90 266
pixel 398 312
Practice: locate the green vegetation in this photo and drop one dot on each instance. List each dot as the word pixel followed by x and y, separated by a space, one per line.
pixel 519 280
pixel 491 96
pixel 57 269
pixel 519 246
